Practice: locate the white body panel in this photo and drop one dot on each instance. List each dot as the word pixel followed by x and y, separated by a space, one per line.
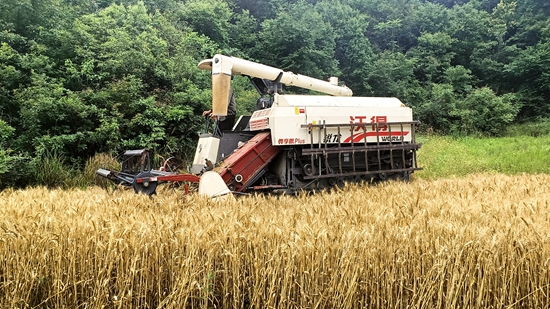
pixel 212 185
pixel 207 148
pixel 289 113
pixel 333 101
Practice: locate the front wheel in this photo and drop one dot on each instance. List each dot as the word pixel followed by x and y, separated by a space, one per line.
pixel 145 185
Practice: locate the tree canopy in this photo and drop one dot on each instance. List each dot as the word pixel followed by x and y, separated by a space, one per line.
pixel 80 77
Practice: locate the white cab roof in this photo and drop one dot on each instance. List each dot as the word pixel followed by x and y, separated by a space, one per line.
pixel 321 100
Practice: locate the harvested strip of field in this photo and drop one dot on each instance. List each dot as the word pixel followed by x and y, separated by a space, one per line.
pixel 477 242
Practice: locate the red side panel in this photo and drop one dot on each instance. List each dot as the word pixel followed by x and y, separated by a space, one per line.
pixel 239 168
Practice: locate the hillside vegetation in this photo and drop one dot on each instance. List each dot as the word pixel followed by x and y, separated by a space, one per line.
pixel 83 77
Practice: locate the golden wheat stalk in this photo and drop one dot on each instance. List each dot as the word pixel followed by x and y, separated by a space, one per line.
pixel 476 242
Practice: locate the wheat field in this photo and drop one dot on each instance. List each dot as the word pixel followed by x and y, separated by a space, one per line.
pixel 475 242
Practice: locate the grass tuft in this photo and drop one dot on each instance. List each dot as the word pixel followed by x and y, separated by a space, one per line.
pixel 537 128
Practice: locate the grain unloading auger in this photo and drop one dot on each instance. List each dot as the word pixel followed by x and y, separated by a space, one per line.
pixel 293 142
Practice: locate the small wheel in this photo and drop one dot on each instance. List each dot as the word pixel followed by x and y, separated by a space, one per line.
pixel 340 182
pixel 145 187
pixel 239 178
pixel 308 170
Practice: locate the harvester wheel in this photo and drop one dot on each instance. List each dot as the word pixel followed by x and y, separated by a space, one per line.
pixel 341 182
pixel 146 186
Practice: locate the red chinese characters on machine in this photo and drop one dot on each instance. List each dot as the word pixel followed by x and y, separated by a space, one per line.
pixel 379 129
pixel 374 119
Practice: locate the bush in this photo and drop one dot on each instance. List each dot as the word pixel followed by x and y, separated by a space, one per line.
pixel 13 166
pixel 483 111
pixel 479 112
pixel 14 169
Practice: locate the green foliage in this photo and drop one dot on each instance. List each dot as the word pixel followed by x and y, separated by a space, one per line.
pixel 540 127
pixel 53 118
pixel 6 160
pixel 245 96
pixel 434 55
pixel 13 165
pixel 299 40
pixel 391 74
pixel 118 42
pixel 6 132
pixel 14 169
pixel 470 27
pixel 483 111
pixel 260 9
pixel 208 17
pixel 460 78
pixel 353 49
pixel 439 109
pixel 9 73
pixel 243 33
pixel 479 111
pixel 84 77
pixel 532 66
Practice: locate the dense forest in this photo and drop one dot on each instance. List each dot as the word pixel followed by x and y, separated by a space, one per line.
pixel 81 77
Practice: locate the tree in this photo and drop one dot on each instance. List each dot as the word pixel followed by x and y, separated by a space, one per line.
pixel 395 24
pixel 450 3
pixel 130 79
pixel 460 78
pixel 13 163
pixel 353 49
pixel 117 42
pixel 455 108
pixel 392 75
pixel 438 111
pixel 141 73
pixel 54 119
pixel 208 17
pixel 433 56
pixel 243 34
pixel 11 76
pixel 532 67
pixel 259 9
pixel 469 27
pixel 298 40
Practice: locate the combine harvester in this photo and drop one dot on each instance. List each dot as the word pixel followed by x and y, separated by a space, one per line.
pixel 292 142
